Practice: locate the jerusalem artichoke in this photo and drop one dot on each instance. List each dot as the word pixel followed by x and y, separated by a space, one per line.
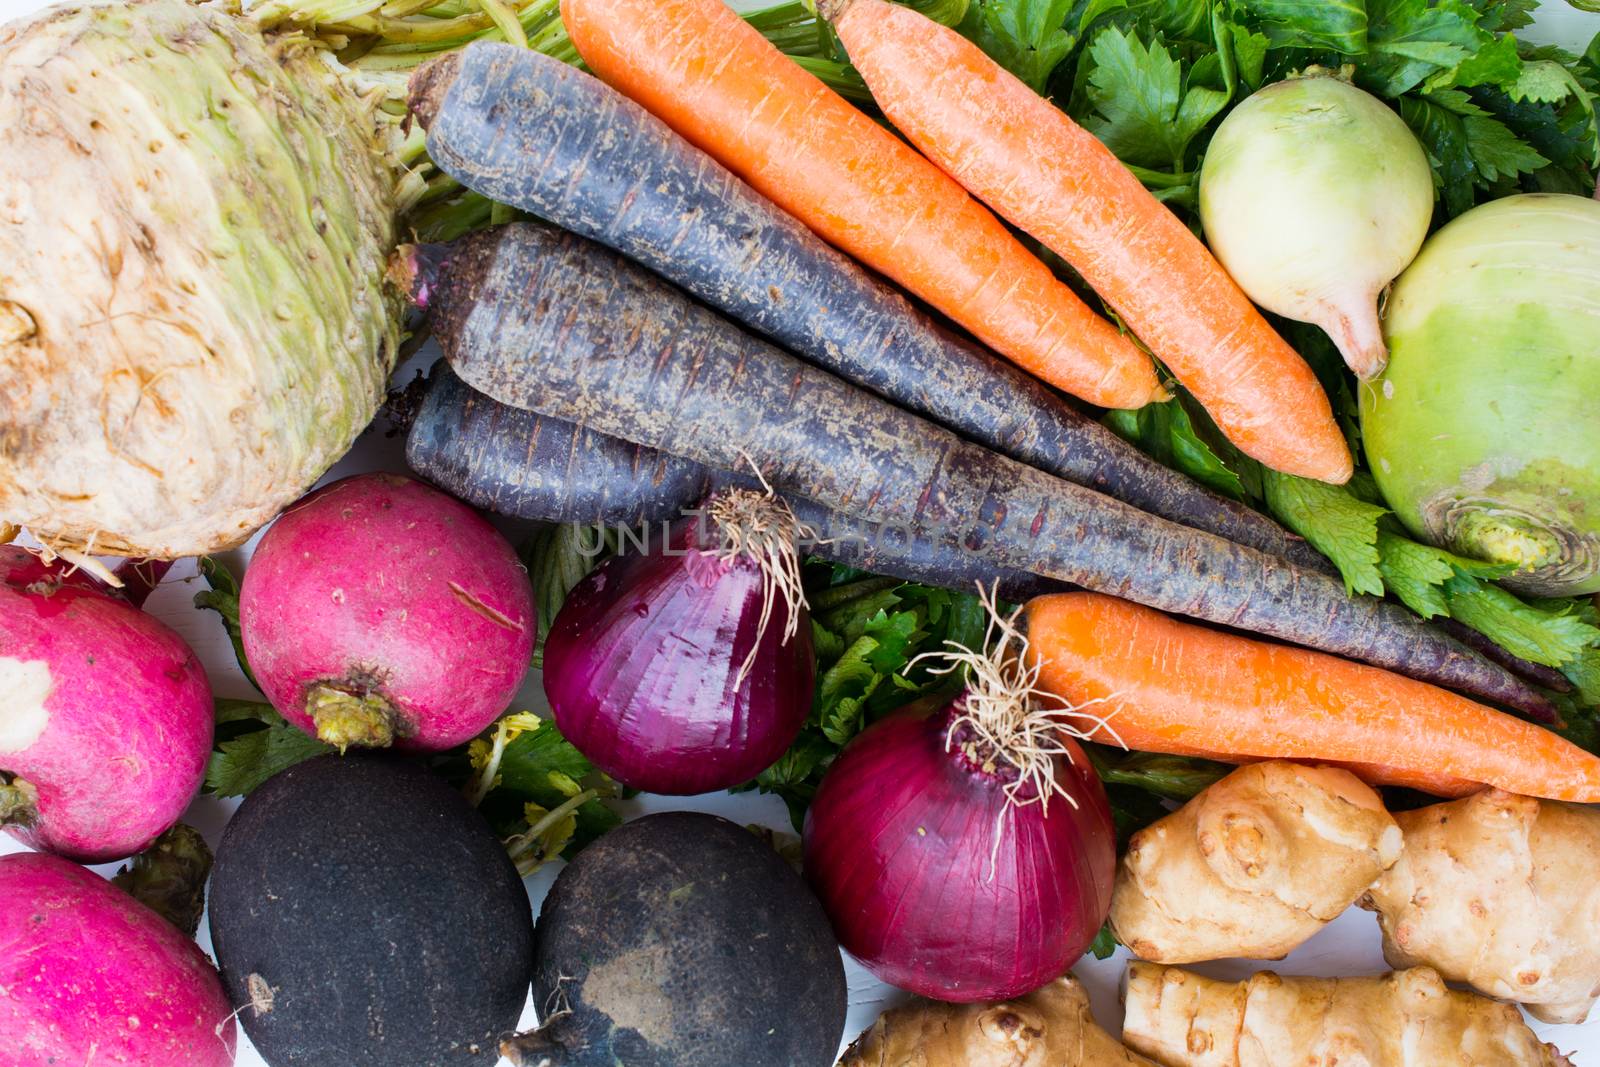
pixel 1252 866
pixel 1499 891
pixel 1050 1027
pixel 1399 1019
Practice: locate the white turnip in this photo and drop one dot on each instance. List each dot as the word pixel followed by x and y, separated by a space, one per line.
pixel 381 611
pixel 1482 432
pixel 106 721
pixel 1315 195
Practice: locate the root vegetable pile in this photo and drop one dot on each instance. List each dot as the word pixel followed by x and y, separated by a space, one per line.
pixel 863 315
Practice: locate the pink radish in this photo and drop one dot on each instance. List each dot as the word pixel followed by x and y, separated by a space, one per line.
pixel 380 611
pixel 105 715
pixel 88 975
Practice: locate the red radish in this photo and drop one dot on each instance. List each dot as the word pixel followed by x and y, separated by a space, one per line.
pixel 380 611
pixel 690 668
pixel 88 975
pixel 966 855
pixel 105 715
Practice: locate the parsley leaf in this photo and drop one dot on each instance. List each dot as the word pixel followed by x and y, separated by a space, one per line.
pixel 1030 38
pixel 541 767
pixel 1416 573
pixel 1104 943
pixel 1339 524
pixel 1497 63
pixel 1544 81
pixel 1408 40
pixel 238 766
pixel 1552 638
pixel 1141 108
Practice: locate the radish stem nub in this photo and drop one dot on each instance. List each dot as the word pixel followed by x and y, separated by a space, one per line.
pixel 344 719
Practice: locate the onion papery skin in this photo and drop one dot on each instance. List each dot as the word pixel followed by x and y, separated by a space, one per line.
pixel 1482 434
pixel 898 846
pixel 642 661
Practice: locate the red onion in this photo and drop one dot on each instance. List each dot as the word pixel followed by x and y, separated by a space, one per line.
pixel 688 668
pixel 965 855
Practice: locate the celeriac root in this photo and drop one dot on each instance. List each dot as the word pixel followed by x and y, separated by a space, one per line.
pixel 1253 866
pixel 1401 1019
pixel 1499 891
pixel 1050 1027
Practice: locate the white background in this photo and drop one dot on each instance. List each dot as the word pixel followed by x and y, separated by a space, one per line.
pixel 1348 946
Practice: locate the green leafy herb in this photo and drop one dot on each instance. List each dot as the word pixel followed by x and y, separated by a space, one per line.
pixel 1104 943
pixel 1143 108
pixel 1030 38
pixel 540 772
pixel 1341 525
pixel 1551 637
pixel 1170 434
pixel 265 745
pixel 868 632
pixel 1416 573
pixel 223 598
pixel 1409 40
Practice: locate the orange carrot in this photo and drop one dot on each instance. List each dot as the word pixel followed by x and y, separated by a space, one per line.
pixel 1046 174
pixel 719 83
pixel 1170 686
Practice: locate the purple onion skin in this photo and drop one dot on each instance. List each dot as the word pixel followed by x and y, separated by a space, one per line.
pixel 641 661
pixel 898 844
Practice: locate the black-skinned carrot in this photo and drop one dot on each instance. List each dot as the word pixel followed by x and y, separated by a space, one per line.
pixel 517 463
pixel 547 321
pixel 528 130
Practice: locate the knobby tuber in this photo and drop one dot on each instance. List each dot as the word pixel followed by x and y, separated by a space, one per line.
pixel 1050 1027
pixel 1400 1019
pixel 1253 866
pixel 1499 891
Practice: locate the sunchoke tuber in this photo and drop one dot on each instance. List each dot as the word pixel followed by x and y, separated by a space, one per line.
pixel 1499 891
pixel 1050 1027
pixel 1399 1019
pixel 1252 866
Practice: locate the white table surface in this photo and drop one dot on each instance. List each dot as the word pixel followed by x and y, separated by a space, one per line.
pixel 1348 946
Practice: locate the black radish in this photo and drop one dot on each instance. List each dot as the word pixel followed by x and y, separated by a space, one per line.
pixel 365 915
pixel 682 938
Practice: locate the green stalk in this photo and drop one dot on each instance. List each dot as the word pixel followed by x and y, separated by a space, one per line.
pixel 506 21
pixel 520 847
